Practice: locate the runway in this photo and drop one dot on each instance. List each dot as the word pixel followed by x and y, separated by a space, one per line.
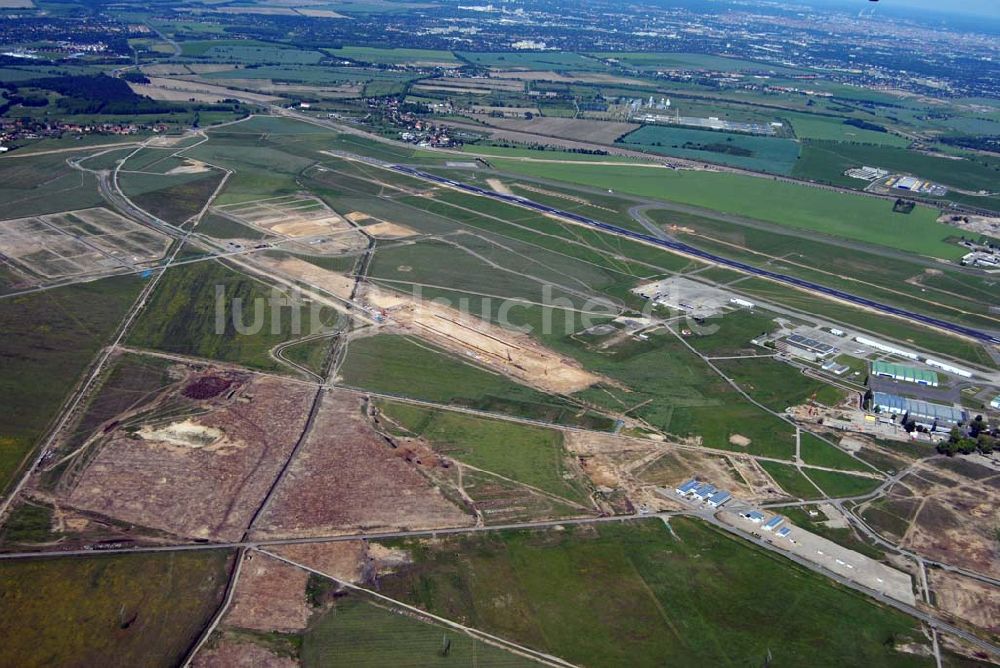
pixel 985 337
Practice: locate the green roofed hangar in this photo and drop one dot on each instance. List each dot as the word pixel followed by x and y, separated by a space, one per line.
pixel 906 373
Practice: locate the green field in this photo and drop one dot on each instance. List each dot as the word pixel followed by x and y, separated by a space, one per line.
pixel 809 126
pixel 731 333
pixel 394 56
pixel 44 184
pixel 642 594
pixel 177 202
pixel 108 610
pixel 249 53
pixel 181 317
pixel 827 161
pixel 778 385
pixel 396 365
pixel 541 154
pixel 532 455
pixel 361 634
pixel 218 227
pixel 534 60
pixel 790 479
pixel 819 453
pixel 762 154
pixel 842 484
pixel 849 216
pixel 48 340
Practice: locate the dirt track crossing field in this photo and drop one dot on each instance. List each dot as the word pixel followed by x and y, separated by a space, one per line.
pixel 347 478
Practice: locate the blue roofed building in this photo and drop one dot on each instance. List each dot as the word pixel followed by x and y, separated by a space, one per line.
pixel 921 412
pixel 703 491
pixel 754 516
pixel 687 487
pixel 774 523
pixel 719 499
pixel 783 532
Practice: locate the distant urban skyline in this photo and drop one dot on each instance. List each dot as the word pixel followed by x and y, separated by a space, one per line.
pixel 987 8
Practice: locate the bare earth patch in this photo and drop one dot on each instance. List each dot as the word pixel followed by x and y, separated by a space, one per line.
pixel 345 560
pixel 346 478
pixel 231 652
pixel 512 353
pixel 200 492
pixel 956 516
pixel 967 599
pixel 333 282
pixel 499 186
pixel 739 440
pixel 270 596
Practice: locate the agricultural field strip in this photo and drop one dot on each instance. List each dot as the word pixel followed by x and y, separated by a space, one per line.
pixel 875 474
pixel 926 617
pixel 508 645
pixel 220 613
pixel 84 388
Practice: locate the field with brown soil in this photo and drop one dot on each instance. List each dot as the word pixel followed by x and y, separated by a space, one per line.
pixel 333 282
pixel 173 90
pixel 348 478
pixel 945 510
pixel 231 651
pixel 967 599
pixel 345 560
pixel 270 595
pixel 202 476
pixel 512 353
pixel 638 465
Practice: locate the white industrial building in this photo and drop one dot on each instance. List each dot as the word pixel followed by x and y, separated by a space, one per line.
pixel 886 348
pixel 950 368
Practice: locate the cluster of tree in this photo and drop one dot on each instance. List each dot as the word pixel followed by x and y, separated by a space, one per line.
pixel 97 94
pixel 978 437
pixel 865 125
pixel 135 76
pixel 978 143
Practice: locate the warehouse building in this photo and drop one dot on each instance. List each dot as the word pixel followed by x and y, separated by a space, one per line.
pixel 886 348
pixel 922 412
pixel 774 523
pixel 950 368
pixel 719 499
pixel 687 487
pixel 835 367
pixel 805 347
pixel 995 403
pixel 754 516
pixel 905 373
pixel 703 491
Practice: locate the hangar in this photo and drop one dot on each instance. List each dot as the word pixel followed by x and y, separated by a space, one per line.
pixel 905 373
